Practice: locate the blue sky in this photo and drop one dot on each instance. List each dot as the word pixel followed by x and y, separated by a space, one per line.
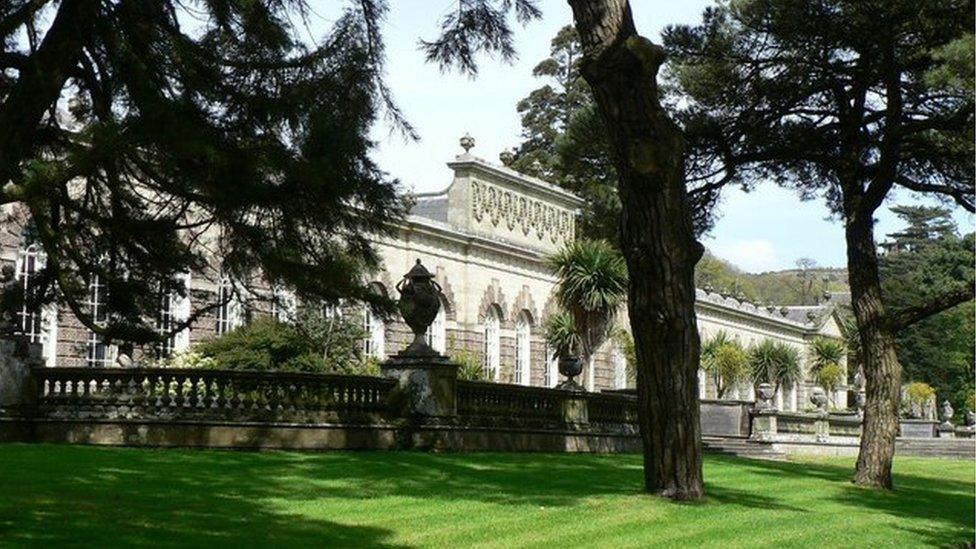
pixel 764 230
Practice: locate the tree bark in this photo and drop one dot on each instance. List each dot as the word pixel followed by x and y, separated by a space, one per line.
pixel 657 240
pixel 882 372
pixel 39 85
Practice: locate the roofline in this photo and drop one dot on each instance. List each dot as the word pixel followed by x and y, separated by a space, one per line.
pixel 506 173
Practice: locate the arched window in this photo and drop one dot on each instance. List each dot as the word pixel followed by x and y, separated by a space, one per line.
pixel 523 354
pixel 437 332
pixel 492 361
pixel 374 344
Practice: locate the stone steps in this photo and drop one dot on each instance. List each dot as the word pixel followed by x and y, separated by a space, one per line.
pixel 959 448
pixel 741 447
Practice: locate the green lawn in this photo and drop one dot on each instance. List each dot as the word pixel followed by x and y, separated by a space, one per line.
pixel 57 495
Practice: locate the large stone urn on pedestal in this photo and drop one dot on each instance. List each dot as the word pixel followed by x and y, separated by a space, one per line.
pixel 427 380
pixel 764 414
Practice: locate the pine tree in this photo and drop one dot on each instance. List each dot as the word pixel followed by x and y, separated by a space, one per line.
pixel 846 99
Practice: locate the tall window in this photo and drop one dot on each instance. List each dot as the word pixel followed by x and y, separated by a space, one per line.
pixel 29 261
pixel 165 322
pixel 374 344
pixel 437 332
pixel 228 310
pixel 523 359
pixel 619 367
pixel 174 310
pixel 283 305
pixel 551 373
pixel 100 354
pixel 492 362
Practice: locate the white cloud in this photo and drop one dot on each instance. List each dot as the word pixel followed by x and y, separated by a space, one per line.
pixel 755 255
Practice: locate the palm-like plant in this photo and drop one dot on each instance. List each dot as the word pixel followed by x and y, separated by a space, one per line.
pixel 592 286
pixel 826 355
pixel 775 363
pixel 726 361
pixel 825 351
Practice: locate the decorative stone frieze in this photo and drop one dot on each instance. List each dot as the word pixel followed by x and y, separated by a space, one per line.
pixel 501 207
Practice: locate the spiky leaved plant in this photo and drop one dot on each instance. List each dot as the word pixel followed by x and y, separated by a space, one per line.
pixel 592 286
pixel 775 363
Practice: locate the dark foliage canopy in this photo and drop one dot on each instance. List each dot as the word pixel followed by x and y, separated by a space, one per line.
pixel 144 138
pixel 845 99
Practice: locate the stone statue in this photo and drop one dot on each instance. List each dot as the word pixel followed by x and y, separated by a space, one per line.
pixel 8 315
pixel 947 412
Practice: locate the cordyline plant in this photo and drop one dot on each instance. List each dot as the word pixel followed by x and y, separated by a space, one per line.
pixel 591 287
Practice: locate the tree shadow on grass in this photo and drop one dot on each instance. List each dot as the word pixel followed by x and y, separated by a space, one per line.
pixel 154 498
pixel 949 505
pixel 54 494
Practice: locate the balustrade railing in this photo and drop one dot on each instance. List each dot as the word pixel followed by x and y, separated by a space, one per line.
pixel 476 399
pixel 484 399
pixel 178 393
pixel 606 408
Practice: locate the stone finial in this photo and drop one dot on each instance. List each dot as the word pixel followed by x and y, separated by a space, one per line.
pixel 506 158
pixel 466 142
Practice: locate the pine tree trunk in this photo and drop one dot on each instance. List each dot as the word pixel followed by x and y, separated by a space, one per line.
pixel 882 372
pixel 657 240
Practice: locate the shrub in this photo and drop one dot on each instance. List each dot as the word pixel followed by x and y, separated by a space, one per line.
pixel 830 377
pixel 313 343
pixel 775 363
pixel 917 396
pixel 726 361
pixel 471 366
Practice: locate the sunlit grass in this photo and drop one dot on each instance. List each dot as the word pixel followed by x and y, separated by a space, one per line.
pixel 56 495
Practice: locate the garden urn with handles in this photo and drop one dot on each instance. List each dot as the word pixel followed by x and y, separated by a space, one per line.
pixel 420 300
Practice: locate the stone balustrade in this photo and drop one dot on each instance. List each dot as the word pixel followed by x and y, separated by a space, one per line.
pixel 139 393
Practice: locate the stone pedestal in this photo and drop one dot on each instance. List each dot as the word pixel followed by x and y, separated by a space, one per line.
pixel 18 391
pixel 947 430
pixel 821 427
pixel 763 425
pixel 576 411
pixel 427 385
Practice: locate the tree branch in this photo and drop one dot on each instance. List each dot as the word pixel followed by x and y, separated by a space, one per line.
pixel 959 195
pixel 903 318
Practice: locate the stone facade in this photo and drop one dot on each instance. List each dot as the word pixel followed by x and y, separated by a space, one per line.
pixel 485 237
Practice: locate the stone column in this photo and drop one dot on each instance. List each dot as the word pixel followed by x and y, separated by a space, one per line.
pixel 18 389
pixel 426 385
pixel 821 425
pixel 576 409
pixel 764 415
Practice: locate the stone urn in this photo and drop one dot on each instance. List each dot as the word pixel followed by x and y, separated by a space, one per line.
pixel 860 399
pixel 570 366
pixel 420 300
pixel 970 418
pixel 819 399
pixel 764 396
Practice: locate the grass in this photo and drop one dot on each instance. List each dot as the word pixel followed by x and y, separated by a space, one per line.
pixel 89 496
